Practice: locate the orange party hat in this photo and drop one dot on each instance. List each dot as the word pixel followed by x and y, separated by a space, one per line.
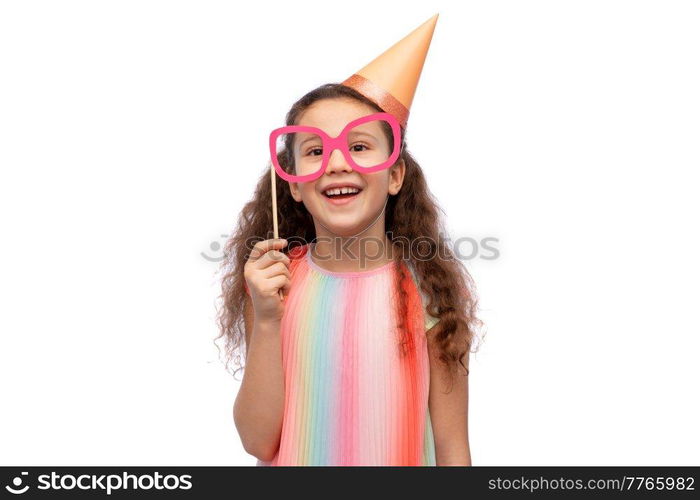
pixel 391 79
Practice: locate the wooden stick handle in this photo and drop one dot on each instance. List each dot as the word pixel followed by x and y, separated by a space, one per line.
pixel 274 212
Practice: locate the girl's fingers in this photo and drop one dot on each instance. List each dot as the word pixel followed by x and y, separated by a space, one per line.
pixel 261 248
pixel 268 262
pixel 286 287
pixel 278 282
pixel 275 269
pixel 270 258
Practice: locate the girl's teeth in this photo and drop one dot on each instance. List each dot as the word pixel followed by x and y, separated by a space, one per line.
pixel 336 191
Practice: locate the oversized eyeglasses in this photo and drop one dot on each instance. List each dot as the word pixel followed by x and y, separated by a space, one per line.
pixel 363 142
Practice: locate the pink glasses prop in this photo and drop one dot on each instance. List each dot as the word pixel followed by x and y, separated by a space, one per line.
pixel 306 142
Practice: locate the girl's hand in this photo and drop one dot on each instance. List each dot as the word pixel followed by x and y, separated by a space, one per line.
pixel 266 272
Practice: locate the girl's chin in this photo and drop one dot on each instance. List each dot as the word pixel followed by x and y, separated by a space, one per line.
pixel 343 229
pixel 345 219
pixel 343 224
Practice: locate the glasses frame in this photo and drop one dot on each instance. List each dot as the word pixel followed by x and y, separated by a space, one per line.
pixel 332 143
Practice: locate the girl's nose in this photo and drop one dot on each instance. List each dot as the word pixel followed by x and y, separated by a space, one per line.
pixel 337 163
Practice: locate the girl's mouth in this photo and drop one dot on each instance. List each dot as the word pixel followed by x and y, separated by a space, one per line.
pixel 341 196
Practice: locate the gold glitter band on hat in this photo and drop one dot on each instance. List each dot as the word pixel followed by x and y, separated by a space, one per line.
pixel 381 97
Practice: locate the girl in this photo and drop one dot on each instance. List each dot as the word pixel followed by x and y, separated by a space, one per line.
pixel 362 359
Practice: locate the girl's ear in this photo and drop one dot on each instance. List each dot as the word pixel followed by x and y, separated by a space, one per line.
pixel 396 175
pixel 294 188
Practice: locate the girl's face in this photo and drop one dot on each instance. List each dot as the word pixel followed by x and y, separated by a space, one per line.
pixel 345 215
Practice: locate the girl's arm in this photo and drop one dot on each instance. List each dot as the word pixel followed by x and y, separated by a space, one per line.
pixel 259 406
pixel 448 412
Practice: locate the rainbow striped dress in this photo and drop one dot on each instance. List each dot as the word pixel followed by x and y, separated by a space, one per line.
pixel 351 396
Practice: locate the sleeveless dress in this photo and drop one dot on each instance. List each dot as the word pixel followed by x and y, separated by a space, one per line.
pixel 351 398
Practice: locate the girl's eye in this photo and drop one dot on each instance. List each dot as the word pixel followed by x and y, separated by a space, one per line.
pixel 354 146
pixel 318 151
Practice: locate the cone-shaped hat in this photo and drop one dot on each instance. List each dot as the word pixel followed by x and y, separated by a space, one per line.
pixel 391 79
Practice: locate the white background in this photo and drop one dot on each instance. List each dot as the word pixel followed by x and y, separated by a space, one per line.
pixel 131 133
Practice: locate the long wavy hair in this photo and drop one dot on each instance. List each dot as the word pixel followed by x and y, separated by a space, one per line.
pixel 412 215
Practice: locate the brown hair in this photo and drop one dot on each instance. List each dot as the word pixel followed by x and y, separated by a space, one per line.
pixel 411 216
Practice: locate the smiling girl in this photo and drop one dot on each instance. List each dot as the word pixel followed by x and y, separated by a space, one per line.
pixel 363 358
